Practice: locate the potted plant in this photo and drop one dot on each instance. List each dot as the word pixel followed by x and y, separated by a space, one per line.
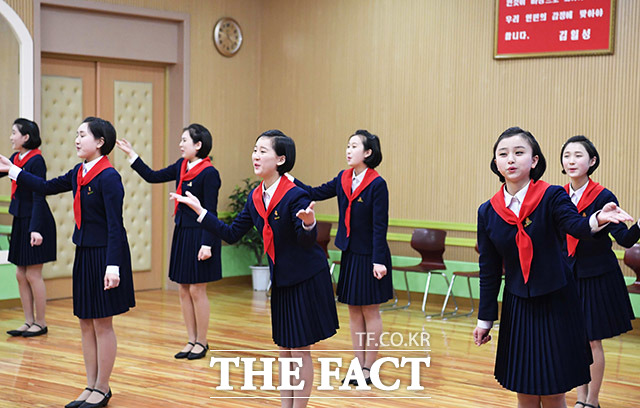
pixel 252 240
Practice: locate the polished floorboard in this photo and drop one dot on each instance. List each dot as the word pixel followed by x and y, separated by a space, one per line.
pixel 48 371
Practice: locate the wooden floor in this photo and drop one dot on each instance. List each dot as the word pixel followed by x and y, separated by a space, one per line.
pixel 47 371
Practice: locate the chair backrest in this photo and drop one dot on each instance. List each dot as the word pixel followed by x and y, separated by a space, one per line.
pixel 324 235
pixel 632 258
pixel 430 244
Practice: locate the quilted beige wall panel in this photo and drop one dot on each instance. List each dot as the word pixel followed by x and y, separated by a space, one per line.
pixel 133 121
pixel 61 116
pixel 10 94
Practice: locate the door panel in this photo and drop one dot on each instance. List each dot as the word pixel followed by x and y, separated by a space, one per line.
pixel 132 98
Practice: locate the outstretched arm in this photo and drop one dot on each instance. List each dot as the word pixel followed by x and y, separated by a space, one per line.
pixel 230 233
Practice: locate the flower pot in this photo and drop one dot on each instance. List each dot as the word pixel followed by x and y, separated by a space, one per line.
pixel 260 277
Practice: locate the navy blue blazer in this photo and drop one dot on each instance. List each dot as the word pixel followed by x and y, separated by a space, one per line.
pixel 205 186
pixel 369 217
pixel 554 217
pixel 298 255
pixel 27 203
pixel 595 257
pixel 101 206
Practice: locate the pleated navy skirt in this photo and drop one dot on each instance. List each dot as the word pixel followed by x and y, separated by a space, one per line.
pixel 21 253
pixel 356 284
pixel 542 343
pixel 305 313
pixel 184 266
pixel 606 305
pixel 90 300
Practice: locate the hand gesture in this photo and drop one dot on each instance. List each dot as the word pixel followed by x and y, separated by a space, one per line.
pixel 36 238
pixel 308 216
pixel 5 164
pixel 204 253
pixel 126 147
pixel 379 271
pixel 188 199
pixel 111 280
pixel 612 213
pixel 481 336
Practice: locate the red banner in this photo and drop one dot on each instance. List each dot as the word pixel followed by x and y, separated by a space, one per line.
pixel 537 28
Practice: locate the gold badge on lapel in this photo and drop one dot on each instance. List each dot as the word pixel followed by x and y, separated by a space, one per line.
pixel 275 215
pixel 89 190
pixel 584 214
pixel 360 200
pixel 527 222
pixel 190 184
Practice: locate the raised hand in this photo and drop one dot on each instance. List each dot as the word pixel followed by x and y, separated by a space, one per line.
pixel 5 164
pixel 188 199
pixel 126 147
pixel 612 213
pixel 308 216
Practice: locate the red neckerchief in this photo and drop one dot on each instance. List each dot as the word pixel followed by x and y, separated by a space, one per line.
pixel 590 193
pixel 267 233
pixel 21 163
pixel 97 168
pixel 523 241
pixel 346 180
pixel 190 175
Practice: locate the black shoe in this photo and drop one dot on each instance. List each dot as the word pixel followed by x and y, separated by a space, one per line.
pixel 195 356
pixel 77 403
pixel 18 333
pixel 351 382
pixel 102 403
pixel 368 379
pixel 43 330
pixel 184 354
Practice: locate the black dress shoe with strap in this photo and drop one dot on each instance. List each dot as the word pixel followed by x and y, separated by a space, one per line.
pixel 195 356
pixel 99 404
pixel 368 379
pixel 184 354
pixel 77 403
pixel 18 333
pixel 43 330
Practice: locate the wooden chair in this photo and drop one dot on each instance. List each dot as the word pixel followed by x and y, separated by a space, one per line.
pixel 430 245
pixel 467 276
pixel 632 260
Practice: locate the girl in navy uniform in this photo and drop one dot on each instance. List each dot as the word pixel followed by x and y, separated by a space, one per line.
pixel 603 294
pixel 365 266
pixel 33 232
pixel 102 280
pixel 543 350
pixel 195 252
pixel 303 310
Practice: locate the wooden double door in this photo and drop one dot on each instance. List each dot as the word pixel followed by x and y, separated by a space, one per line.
pixel 132 97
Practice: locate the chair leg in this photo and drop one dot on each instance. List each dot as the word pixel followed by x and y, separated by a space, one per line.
pixel 333 280
pixel 470 300
pixel 426 292
pixel 470 297
pixel 449 291
pixel 394 305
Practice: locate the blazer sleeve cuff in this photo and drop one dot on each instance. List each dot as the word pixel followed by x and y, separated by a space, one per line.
pixel 113 269
pixel 14 172
pixel 202 215
pixel 485 324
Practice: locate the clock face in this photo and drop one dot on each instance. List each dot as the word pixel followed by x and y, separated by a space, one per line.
pixel 227 36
